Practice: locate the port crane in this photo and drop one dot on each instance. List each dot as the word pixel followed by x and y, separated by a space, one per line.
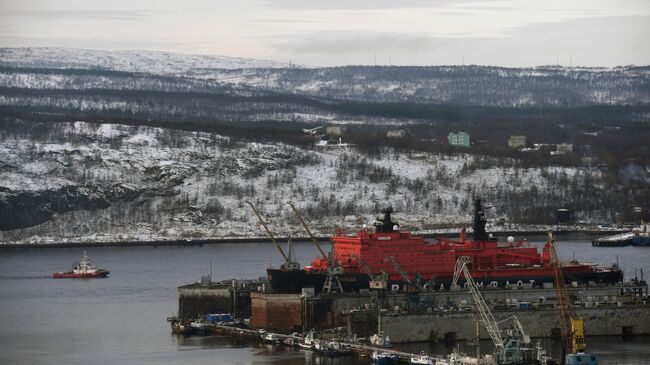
pixel 481 306
pixel 571 324
pixel 302 221
pixel 377 281
pixel 332 281
pixel 289 263
pixel 412 286
pixel 509 350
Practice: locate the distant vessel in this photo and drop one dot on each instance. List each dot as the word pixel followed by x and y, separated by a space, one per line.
pixel 615 240
pixel 641 238
pixel 82 270
pixel 637 237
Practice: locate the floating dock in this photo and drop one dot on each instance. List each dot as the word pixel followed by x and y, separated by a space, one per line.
pixel 428 316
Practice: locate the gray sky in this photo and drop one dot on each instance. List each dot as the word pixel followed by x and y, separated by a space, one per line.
pixel 339 32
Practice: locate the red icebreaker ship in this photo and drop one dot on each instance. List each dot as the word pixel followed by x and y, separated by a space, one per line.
pixel 431 263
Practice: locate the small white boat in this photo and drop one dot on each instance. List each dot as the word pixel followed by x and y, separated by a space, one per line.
pixel 384 358
pixel 290 341
pixel 308 342
pixel 423 358
pixel 330 348
pixel 380 340
pixel 460 359
pixel 270 337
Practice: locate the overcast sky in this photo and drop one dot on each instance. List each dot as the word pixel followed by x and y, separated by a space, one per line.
pixel 340 32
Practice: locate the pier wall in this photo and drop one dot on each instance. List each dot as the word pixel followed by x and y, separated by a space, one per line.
pixel 277 312
pixel 195 301
pixel 537 323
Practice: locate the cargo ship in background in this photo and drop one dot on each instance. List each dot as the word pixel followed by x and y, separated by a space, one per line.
pixel 82 270
pixel 405 258
pixel 637 237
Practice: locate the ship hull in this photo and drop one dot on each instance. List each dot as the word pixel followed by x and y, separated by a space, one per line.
pixel 71 275
pixel 641 241
pixel 295 281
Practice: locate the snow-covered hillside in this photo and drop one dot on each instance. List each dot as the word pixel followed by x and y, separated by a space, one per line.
pixel 70 182
pixel 58 68
pixel 157 63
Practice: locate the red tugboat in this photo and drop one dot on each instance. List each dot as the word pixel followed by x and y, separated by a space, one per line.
pixel 431 264
pixel 82 270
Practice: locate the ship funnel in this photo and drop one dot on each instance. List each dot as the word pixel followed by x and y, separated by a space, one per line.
pixel 386 224
pixel 479 222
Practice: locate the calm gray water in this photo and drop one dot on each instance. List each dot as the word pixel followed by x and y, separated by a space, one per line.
pixel 121 320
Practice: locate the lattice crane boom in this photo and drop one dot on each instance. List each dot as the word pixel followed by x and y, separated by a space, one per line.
pixel 490 323
pixel 398 268
pixel 302 221
pixel 571 325
pixel 268 231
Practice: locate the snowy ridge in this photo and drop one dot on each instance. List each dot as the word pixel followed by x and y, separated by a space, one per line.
pixel 159 63
pixel 472 85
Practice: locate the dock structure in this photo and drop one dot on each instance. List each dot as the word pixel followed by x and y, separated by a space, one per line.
pixel 437 316
pixel 232 296
pixel 354 346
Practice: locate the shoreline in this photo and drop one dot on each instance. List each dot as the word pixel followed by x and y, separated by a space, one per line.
pixel 564 234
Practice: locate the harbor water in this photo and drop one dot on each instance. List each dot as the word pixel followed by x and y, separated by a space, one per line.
pixel 121 320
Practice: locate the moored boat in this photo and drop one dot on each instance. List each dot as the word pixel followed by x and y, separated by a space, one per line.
pixel 423 359
pixel 82 270
pixel 309 341
pixel 179 328
pixel 637 237
pixel 290 341
pixel 271 338
pixel 384 358
pixel 380 340
pixel 331 348
pixel 199 328
pixel 641 237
